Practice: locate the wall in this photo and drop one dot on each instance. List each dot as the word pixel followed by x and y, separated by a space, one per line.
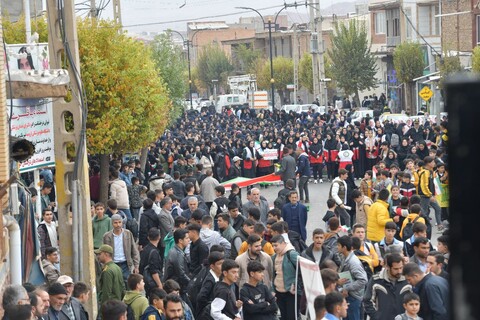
pixel 464 38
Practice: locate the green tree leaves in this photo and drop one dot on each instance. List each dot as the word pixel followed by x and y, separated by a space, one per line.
pixel 127 100
pixel 352 64
pixel 213 64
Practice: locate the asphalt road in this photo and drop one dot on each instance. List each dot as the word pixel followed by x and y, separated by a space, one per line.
pixel 318 206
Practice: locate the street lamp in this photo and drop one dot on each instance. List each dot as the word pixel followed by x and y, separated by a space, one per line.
pixel 272 80
pixel 187 43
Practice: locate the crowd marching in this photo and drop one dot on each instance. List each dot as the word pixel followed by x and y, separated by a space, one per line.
pixel 172 243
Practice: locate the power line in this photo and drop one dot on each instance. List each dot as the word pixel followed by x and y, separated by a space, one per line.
pixel 194 19
pixel 418 33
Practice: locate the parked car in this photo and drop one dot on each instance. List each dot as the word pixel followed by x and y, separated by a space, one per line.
pixel 290 107
pixel 393 117
pixel 421 119
pixel 358 115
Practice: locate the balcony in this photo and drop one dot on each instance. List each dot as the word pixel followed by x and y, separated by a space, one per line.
pixel 393 41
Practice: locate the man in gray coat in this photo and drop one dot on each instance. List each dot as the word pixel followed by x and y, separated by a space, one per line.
pixel 288 167
pixel 166 222
pixel 257 202
pixel 125 251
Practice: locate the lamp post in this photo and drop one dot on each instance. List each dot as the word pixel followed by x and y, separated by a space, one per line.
pixel 272 80
pixel 187 43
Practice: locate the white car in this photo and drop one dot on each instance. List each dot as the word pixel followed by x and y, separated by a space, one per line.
pixel 393 117
pixel 358 115
pixel 289 107
pixel 421 119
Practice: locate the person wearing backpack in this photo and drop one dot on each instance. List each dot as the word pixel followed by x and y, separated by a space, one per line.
pixel 134 299
pixel 406 231
pixel 206 284
pixel 285 286
pixel 419 231
pixel 125 251
pixel 282 196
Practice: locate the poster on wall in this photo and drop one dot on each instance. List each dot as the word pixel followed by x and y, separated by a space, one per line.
pixel 32 119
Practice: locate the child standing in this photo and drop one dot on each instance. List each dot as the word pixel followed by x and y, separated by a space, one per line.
pixel 411 303
pixel 407 188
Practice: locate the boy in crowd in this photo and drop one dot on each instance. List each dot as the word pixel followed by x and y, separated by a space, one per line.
pixel 388 240
pixel 155 310
pixel 134 297
pixel 258 301
pixel 411 303
pixel 331 205
pixel 226 302
pixel 407 188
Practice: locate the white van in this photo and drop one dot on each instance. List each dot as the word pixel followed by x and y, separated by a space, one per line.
pixel 229 100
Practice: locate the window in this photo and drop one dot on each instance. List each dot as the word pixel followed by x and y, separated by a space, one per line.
pixel 393 22
pixel 380 23
pixel 428 24
pixel 478 29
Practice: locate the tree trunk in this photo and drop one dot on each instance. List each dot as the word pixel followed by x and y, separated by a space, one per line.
pixel 143 158
pixel 409 99
pixel 104 176
pixel 356 97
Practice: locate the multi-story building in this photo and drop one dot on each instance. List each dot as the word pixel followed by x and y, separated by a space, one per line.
pixel 460 25
pixel 394 22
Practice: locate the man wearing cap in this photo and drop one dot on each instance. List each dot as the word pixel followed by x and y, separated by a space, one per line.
pixel 58 296
pixel 71 309
pixel 125 252
pixel 111 284
pixel 236 169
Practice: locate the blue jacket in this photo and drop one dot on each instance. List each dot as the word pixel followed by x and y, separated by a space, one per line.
pixel 289 268
pixel 434 295
pixel 299 212
pixel 151 313
pixel 303 166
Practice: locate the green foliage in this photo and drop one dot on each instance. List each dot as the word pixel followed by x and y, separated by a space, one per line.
pixel 282 73
pixel 352 64
pixel 245 57
pixel 213 64
pixel 14 32
pixel 476 59
pixel 305 72
pixel 408 61
pixel 172 67
pixel 448 65
pixel 128 104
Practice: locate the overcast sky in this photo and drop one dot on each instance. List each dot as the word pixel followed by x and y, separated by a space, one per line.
pixel 158 15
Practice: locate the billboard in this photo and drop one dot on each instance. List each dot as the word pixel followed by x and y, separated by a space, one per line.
pixel 31 119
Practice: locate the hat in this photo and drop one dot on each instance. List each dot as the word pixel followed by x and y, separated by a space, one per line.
pixel 104 248
pixel 236 158
pixel 64 280
pixel 116 217
pixel 56 288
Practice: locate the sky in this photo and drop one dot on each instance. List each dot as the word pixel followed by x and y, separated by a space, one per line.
pixel 159 15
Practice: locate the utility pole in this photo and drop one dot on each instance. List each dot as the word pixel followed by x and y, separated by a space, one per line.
pixel 295 62
pixel 93 9
pixel 73 194
pixel 117 12
pixel 314 50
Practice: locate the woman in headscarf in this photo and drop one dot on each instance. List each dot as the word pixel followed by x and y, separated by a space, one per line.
pixel 315 153
pixel 330 152
pixel 249 156
pixel 264 166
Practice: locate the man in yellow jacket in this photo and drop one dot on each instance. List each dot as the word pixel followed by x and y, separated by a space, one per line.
pixel 378 216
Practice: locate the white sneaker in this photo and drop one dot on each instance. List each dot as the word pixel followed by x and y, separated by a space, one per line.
pixel 321 181
pixel 315 181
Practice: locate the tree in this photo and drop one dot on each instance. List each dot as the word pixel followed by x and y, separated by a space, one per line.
pixel 244 57
pixel 128 103
pixel 476 59
pixel 448 65
pixel 305 72
pixel 14 32
pixel 171 66
pixel 213 64
pixel 282 74
pixel 409 64
pixel 352 63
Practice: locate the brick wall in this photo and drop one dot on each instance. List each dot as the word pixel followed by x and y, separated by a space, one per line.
pixel 463 38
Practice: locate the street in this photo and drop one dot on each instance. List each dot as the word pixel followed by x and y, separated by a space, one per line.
pixel 318 206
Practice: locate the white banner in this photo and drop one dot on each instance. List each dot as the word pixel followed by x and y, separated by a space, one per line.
pixel 32 119
pixel 312 282
pixel 270 154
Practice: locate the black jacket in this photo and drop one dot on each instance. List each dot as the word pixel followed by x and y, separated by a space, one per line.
pixel 258 302
pixel 155 261
pixel 176 268
pixel 224 291
pixel 205 296
pixel 308 254
pixel 148 220
pixel 434 295
pixel 198 253
pixel 383 299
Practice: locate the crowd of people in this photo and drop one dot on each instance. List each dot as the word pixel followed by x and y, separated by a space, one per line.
pixel 172 243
